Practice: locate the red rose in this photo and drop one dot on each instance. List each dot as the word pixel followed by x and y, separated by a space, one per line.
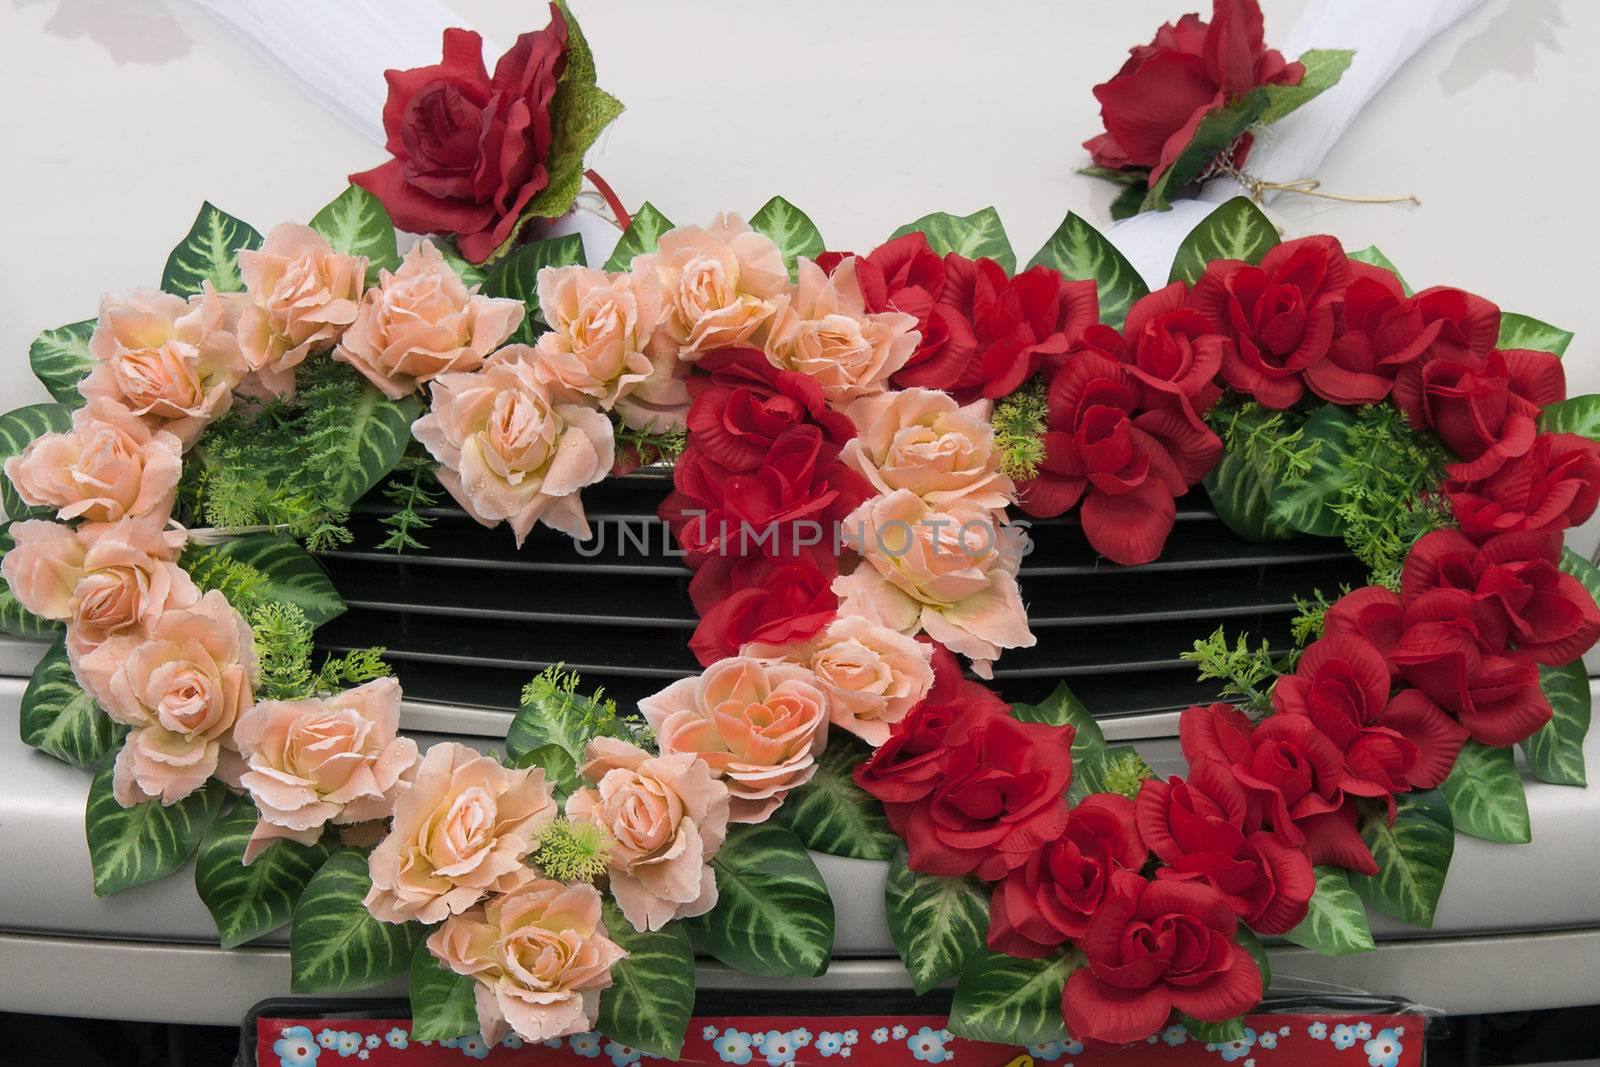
pixel 1153 947
pixel 1462 326
pixel 1553 486
pixel 469 151
pixel 1026 323
pixel 742 404
pixel 1279 317
pixel 1172 351
pixel 1483 410
pixel 757 598
pixel 1126 468
pixel 1154 104
pixel 1372 614
pixel 902 275
pixel 943 359
pixel 1335 839
pixel 1379 332
pixel 1051 898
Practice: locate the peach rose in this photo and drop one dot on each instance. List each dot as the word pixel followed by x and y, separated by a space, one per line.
pixel 600 325
pixel 422 321
pixel 666 816
pixel 873 675
pixel 825 332
pixel 170 361
pixel 719 286
pixel 335 759
pixel 760 726
pixel 459 832
pixel 129 582
pixel 948 572
pixel 301 297
pixel 538 956
pixel 43 566
pixel 922 440
pixel 509 451
pixel 110 465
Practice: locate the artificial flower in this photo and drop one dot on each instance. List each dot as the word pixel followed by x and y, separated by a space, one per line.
pixel 1172 351
pixel 720 286
pixel 1023 324
pixel 1379 333
pixel 922 440
pixel 825 332
pixel 110 465
pixel 1553 486
pixel 300 297
pixel 747 599
pixel 600 325
pixel 742 404
pixel 1485 411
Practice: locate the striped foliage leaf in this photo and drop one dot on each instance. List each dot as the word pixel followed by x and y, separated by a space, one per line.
pixel 832 814
pixel 1307 503
pixel 1228 1030
pixel 443 1003
pixel 1323 66
pixel 551 715
pixel 1081 252
pixel 938 924
pixel 1576 414
pixel 247 902
pixel 1485 795
pixel 209 252
pixel 1246 937
pixel 1213 137
pixel 132 846
pixel 1525 331
pixel 1336 923
pixel 975 236
pixel 293 574
pixel 1236 230
pixel 16 620
pixel 651 996
pixel 60 719
pixel 1063 708
pixel 19 428
pixel 1413 857
pixel 773 916
pixel 1012 1002
pixel 1241 494
pixel 377 435
pixel 640 237
pixel 60 360
pixel 1555 752
pixel 1581 569
pixel 472 274
pixel 1114 769
pixel 335 945
pixel 560 769
pixel 357 224
pixel 1373 256
pixel 516 277
pixel 790 229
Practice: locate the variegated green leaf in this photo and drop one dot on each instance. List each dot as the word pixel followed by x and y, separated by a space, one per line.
pixel 560 769
pixel 1063 708
pixel 1228 1030
pixel 552 714
pixel 1372 256
pixel 443 1003
pixel 1324 67
pixel 1117 769
pixel 293 574
pixel 1306 504
pixel 60 719
pixel 832 814
pixel 975 236
pixel 1581 569
pixel 1214 136
pixel 18 429
pixel 209 253
pixel 938 924
pixel 1336 923
pixel 1080 251
pixel 376 436
pixel 517 277
pixel 1012 1002
pixel 472 274
pixel 651 996
pixel 335 945
pixel 1576 414
pixel 641 236
pixel 1241 494
pixel 15 619
pixel 1485 795
pixel 247 902
pixel 1246 937
pixel 1555 751
pixel 60 360
pixel 132 846
pixel 357 224
pixel 790 229
pixel 773 916
pixel 1236 230
pixel 1413 856
pixel 1524 331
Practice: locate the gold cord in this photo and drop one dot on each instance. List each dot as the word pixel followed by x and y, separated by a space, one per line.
pixel 1303 186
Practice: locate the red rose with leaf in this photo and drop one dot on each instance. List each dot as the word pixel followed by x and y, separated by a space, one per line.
pixel 1380 331
pixel 741 404
pixel 1555 485
pixel 1484 410
pixel 1172 351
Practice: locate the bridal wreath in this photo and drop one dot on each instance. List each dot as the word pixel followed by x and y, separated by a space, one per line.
pixel 850 435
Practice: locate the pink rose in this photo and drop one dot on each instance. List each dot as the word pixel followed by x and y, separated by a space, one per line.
pixel 719 286
pixel 666 816
pixel 43 567
pixel 510 451
pixel 538 956
pixel 922 440
pixel 600 328
pixel 110 465
pixel 334 759
pixel 422 321
pixel 759 726
pixel 301 296
pixel 825 332
pixel 459 832
pixel 129 582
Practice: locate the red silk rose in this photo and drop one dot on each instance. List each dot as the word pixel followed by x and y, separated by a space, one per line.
pixel 1484 411
pixel 904 275
pixel 1380 332
pixel 1025 323
pixel 1154 104
pixel 742 404
pixel 1372 614
pixel 1051 898
pixel 757 598
pixel 1279 317
pixel 470 151
pixel 1153 947
pixel 1172 351
pixel 1553 486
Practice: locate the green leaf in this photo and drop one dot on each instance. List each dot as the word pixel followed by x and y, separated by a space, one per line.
pixel 247 902
pixel 335 945
pixel 18 429
pixel 1241 494
pixel 132 846
pixel 832 814
pixel 1523 331
pixel 1307 504
pixel 357 224
pixel 1128 202
pixel 560 769
pixel 1245 936
pixel 471 274
pixel 640 237
pixel 1576 414
pixel 552 715
pixel 209 253
pixel 292 573
pixel 773 916
pixel 377 436
pixel 517 277
pixel 1336 924
pixel 1485 795
pixel 938 924
pixel 1555 752
pixel 1080 251
pixel 1010 1001
pixel 1581 569
pixel 1236 230
pixel 1118 175
pixel 1372 256
pixel 978 235
pixel 790 229
pixel 443 1003
pixel 1214 1033
pixel 1324 67
pixel 651 996
pixel 60 719
pixel 1107 770
pixel 1413 857
pixel 1214 135
pixel 1063 708
pixel 60 360
pixel 15 619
